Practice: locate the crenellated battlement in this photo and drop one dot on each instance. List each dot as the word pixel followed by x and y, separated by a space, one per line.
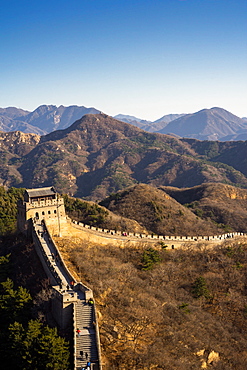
pixel 39 204
pixel 172 241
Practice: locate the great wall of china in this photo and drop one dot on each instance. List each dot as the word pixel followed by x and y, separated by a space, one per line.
pixel 70 300
pixel 171 242
pixel 38 214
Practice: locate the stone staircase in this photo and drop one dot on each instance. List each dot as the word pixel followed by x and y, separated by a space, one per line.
pixel 86 341
pixel 86 345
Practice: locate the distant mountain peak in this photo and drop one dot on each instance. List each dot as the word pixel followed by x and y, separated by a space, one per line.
pixel 44 119
pixel 207 124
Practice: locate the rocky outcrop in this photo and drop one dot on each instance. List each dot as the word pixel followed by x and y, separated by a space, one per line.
pixel 17 142
pixel 208 358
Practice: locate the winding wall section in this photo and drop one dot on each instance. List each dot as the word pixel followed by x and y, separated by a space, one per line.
pixel 70 305
pixel 171 242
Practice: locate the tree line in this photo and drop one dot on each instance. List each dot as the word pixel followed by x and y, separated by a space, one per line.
pixel 25 343
pixel 8 208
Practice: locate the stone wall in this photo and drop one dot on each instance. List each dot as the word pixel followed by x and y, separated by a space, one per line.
pixel 52 209
pixel 106 236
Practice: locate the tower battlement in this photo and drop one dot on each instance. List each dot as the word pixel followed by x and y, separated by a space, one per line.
pixel 39 204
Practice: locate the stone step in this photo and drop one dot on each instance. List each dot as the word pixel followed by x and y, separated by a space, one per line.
pixel 86 341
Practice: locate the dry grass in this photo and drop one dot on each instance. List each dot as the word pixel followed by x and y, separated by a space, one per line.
pixel 150 319
pixel 158 212
pixel 223 204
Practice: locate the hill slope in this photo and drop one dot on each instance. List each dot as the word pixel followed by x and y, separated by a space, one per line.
pixel 158 212
pixel 221 203
pixel 98 155
pixel 187 312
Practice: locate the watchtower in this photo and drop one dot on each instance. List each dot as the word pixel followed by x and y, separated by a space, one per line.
pixel 39 204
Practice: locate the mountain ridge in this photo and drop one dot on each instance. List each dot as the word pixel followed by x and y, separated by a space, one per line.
pixel 44 119
pixel 206 124
pixel 216 123
pixel 98 155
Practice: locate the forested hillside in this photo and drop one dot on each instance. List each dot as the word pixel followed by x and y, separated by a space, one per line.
pixel 8 209
pixel 26 341
pixel 98 155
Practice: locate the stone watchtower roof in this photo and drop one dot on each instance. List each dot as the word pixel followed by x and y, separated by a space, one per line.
pixel 41 192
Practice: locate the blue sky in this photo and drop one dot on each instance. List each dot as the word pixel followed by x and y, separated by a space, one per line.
pixel 145 58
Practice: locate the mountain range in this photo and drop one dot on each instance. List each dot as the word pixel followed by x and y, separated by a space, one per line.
pixel 154 183
pixel 44 119
pixel 149 126
pixel 207 124
pixel 99 155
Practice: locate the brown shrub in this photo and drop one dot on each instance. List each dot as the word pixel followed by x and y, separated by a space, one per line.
pixel 151 318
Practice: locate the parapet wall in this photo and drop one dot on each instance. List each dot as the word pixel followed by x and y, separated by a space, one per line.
pixel 51 273
pixel 170 240
pixel 59 254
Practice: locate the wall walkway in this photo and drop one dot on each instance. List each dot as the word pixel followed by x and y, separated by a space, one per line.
pixel 70 301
